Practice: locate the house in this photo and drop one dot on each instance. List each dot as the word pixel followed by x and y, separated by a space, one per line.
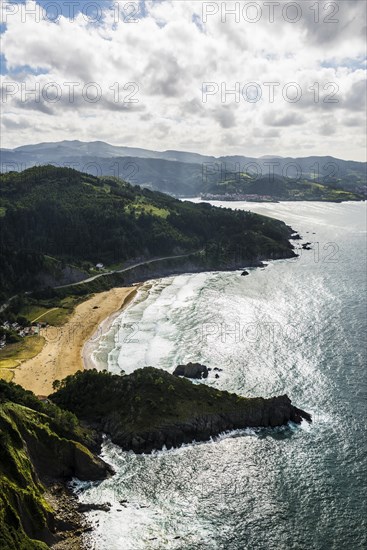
pixel 99 266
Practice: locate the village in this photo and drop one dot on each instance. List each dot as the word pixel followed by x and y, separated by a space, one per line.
pixel 238 197
pixel 11 332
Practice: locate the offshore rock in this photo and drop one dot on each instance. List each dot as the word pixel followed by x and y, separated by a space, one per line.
pixel 191 370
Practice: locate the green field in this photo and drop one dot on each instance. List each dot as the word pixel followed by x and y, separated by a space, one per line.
pixel 14 354
pixel 54 312
pixel 140 207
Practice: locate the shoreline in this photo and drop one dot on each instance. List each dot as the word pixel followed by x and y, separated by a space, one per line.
pixel 63 353
pixel 69 348
pixel 92 342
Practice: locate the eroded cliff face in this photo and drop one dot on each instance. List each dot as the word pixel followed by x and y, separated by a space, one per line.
pixel 150 408
pixel 258 413
pixel 33 454
pixel 41 444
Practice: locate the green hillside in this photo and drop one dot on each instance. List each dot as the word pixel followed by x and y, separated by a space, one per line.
pixel 53 217
pixel 151 408
pixel 39 444
pixel 282 188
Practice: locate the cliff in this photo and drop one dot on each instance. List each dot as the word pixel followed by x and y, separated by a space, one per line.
pixel 150 408
pixel 43 443
pixel 39 444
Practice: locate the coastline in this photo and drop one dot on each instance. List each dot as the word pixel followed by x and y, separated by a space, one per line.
pixel 69 348
pixel 63 353
pixel 91 343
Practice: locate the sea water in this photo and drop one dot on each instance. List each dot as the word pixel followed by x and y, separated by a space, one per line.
pixel 296 327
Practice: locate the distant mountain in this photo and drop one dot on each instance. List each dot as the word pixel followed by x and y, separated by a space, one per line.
pixel 76 148
pixel 182 173
pixel 266 188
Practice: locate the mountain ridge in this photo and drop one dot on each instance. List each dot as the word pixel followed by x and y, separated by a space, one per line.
pixel 181 173
pixel 154 153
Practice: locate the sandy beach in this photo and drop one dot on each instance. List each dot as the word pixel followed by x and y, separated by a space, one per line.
pixel 62 353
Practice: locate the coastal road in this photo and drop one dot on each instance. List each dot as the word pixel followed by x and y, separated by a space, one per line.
pixel 4 306
pixel 7 304
pixel 125 269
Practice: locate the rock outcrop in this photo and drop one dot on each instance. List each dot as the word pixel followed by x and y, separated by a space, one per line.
pixel 39 445
pixel 151 409
pixel 261 413
pixel 191 370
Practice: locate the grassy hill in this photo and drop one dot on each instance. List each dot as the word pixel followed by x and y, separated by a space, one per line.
pixel 54 217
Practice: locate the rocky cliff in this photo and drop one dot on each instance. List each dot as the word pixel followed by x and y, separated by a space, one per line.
pixel 42 443
pixel 39 444
pixel 150 408
pixel 276 411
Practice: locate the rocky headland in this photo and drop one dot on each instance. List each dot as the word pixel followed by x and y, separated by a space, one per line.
pixel 151 409
pixel 43 444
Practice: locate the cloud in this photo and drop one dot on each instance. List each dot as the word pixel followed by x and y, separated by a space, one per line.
pixel 356 97
pixel 266 134
pixel 15 123
pixel 225 117
pixel 352 121
pixel 162 76
pixel 164 58
pixel 285 120
pixel 328 128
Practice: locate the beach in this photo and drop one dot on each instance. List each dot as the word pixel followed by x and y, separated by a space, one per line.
pixel 62 354
pixel 294 328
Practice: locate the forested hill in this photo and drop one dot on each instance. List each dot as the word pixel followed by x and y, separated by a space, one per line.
pixel 51 216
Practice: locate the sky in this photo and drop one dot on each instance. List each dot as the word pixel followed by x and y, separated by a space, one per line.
pixel 218 78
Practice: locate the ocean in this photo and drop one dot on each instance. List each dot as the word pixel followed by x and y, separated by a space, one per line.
pixel 296 327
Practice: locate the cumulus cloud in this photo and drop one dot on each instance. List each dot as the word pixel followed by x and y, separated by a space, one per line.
pixel 141 83
pixel 225 116
pixel 289 119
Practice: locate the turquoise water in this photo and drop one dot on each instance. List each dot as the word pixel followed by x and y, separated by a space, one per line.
pixel 296 327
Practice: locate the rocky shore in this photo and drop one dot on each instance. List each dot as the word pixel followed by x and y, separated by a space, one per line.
pixel 152 409
pixel 41 448
pixel 262 413
pixel 46 443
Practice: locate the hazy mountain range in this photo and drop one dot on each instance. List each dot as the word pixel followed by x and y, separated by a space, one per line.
pixel 187 174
